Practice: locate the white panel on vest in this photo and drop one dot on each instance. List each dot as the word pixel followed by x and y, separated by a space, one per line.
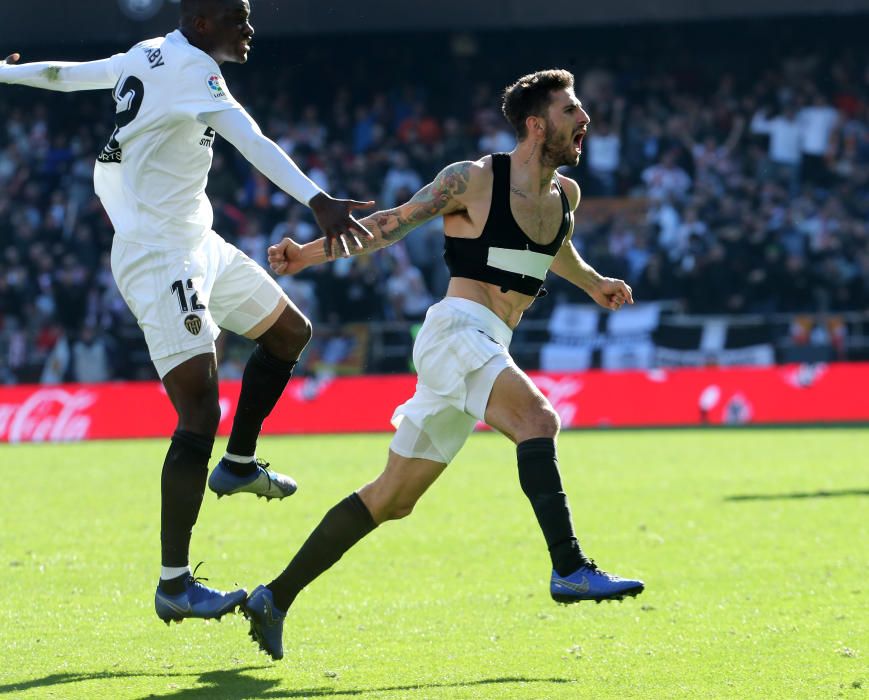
pixel 520 262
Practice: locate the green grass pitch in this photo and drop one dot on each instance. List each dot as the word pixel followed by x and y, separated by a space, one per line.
pixel 752 543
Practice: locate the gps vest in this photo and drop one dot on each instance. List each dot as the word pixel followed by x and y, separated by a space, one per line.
pixel 503 255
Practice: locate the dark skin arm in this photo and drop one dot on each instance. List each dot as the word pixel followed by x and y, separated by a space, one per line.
pixel 333 216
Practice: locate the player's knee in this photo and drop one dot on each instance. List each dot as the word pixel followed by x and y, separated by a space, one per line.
pixel 386 504
pixel 550 422
pixel 555 423
pixel 287 338
pixel 305 331
pixel 211 416
pixel 296 334
pixel 543 423
pixel 398 509
pixel 200 415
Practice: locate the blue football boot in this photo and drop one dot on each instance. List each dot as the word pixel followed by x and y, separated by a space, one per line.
pixel 591 583
pixel 263 482
pixel 266 622
pixel 196 601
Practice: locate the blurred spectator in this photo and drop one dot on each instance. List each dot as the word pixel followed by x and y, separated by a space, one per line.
pixel 297 226
pixel 90 357
pixel 666 180
pixel 602 150
pixel 400 178
pixel 419 127
pixel 54 343
pixel 786 136
pixel 406 288
pixel 737 186
pixel 819 120
pixel 603 154
pixel 496 136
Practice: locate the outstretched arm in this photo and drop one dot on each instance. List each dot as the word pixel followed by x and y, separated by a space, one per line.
pixel 333 215
pixel 608 292
pixel 444 195
pixel 61 76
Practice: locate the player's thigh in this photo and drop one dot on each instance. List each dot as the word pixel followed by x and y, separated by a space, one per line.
pixel 193 389
pixel 405 479
pixel 517 408
pixel 431 426
pixel 245 299
pixel 168 292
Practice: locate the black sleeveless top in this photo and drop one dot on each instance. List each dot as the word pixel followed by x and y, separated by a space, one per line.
pixel 503 254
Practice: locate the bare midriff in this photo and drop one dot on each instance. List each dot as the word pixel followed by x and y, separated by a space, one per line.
pixel 508 306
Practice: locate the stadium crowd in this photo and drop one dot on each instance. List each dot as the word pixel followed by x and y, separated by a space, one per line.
pixel 725 186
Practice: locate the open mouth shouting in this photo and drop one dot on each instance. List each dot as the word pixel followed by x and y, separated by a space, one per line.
pixel 577 141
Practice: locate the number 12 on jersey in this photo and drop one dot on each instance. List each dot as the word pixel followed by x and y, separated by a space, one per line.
pixel 178 288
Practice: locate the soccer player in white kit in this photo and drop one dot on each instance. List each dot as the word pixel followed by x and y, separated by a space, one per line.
pixel 181 280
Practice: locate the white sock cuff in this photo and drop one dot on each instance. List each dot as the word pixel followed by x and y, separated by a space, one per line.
pixel 240 459
pixel 168 572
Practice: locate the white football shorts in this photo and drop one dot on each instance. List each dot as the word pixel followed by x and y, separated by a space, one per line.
pixel 459 353
pixel 183 297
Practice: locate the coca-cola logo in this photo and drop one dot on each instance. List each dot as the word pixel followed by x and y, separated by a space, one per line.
pixel 48 415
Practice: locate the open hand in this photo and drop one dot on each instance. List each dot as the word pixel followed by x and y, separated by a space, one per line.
pixel 340 228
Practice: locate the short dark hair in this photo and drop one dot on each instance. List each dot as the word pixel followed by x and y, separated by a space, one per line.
pixel 530 96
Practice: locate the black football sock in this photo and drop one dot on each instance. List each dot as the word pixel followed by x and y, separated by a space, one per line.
pixel 541 482
pixel 174 586
pixel 264 380
pixel 182 488
pixel 341 528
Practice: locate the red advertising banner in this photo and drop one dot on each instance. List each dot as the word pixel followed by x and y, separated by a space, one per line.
pixel 679 397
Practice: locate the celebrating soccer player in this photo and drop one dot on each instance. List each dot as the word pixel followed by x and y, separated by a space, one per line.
pixel 508 219
pixel 181 280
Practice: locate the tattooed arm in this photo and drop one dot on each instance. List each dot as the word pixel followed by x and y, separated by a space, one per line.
pixel 444 195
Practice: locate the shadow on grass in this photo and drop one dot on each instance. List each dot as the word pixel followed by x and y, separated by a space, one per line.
pixel 58 679
pixel 224 686
pixel 235 685
pixel 797 496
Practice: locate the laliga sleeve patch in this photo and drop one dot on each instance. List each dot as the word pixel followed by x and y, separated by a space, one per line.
pixel 216 88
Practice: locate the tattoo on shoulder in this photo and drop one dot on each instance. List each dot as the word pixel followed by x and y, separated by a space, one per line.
pixel 454 178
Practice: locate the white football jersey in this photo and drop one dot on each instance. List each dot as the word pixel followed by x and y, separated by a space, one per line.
pixel 151 176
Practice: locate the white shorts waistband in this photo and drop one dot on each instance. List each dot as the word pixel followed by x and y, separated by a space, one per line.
pixel 481 315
